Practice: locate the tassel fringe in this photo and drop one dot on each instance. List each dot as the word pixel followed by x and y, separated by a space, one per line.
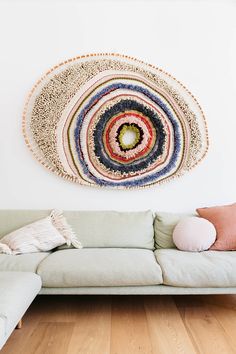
pixel 60 223
pixel 5 249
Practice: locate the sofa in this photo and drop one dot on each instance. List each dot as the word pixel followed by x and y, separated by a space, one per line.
pixel 123 253
pixel 17 291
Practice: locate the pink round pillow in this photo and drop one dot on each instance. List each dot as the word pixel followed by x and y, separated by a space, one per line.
pixel 194 234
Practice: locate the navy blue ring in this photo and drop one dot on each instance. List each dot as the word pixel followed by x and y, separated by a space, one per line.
pixel 143 162
pixel 143 180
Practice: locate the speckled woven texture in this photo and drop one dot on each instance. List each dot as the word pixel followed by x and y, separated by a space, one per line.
pixel 77 115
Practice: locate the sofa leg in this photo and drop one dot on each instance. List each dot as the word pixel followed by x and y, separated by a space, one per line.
pixel 19 324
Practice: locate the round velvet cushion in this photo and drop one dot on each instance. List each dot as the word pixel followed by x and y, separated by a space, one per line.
pixel 194 234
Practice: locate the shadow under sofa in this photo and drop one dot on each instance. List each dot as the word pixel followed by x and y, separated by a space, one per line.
pixel 120 255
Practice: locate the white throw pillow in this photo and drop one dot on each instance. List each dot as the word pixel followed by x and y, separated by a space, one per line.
pixel 194 234
pixel 41 236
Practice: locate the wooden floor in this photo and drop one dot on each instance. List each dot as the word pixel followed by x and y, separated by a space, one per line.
pixel 127 325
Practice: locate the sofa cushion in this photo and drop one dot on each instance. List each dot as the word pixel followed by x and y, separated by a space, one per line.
pixel 17 291
pixel 194 234
pixel 164 224
pixel 11 220
pixel 40 236
pixel 223 218
pixel 193 269
pixel 94 228
pixel 100 267
pixel 113 228
pixel 22 262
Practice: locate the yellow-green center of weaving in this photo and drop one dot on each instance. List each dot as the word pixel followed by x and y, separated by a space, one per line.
pixel 132 130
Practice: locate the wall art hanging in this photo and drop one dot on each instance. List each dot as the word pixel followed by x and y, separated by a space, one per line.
pixel 110 120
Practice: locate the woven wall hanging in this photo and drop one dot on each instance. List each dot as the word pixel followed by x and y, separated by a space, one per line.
pixel 114 121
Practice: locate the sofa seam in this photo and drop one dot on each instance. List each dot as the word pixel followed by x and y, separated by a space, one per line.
pixel 36 270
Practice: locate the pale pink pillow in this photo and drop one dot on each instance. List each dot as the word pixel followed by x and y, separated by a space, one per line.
pixel 194 234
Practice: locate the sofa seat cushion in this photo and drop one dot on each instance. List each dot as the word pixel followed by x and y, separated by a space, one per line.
pixel 21 263
pixel 17 291
pixel 100 267
pixel 193 269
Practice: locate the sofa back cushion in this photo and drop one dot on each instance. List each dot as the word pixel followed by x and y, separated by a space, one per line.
pixel 94 228
pixel 164 224
pixel 113 228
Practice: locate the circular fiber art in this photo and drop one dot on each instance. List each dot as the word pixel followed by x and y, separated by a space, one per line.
pixel 110 120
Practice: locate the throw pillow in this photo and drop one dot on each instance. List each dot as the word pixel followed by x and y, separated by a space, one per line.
pixel 194 234
pixel 224 220
pixel 40 236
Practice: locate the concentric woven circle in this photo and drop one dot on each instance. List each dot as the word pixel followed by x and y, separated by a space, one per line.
pixel 111 120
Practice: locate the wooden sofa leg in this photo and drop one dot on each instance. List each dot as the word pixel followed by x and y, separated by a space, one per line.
pixel 19 324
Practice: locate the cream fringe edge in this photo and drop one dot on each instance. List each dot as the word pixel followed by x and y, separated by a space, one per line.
pixel 60 223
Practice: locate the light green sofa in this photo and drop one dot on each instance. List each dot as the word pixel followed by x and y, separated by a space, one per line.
pixel 17 291
pixel 118 257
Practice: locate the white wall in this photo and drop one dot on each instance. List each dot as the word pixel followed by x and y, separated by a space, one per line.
pixel 193 40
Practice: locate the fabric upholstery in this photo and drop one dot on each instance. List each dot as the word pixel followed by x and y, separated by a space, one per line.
pixel 136 290
pixel 223 218
pixel 94 228
pixel 2 331
pixel 164 224
pixel 17 291
pixel 11 220
pixel 100 267
pixel 194 234
pixel 40 236
pixel 21 263
pixel 113 228
pixel 197 269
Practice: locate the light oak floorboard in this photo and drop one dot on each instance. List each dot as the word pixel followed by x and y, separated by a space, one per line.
pixel 49 338
pixel 127 325
pixel 91 333
pixel 224 310
pixel 129 330
pixel 167 331
pixel 206 331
